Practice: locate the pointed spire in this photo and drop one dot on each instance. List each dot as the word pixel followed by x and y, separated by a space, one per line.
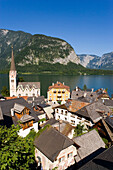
pixel 12 61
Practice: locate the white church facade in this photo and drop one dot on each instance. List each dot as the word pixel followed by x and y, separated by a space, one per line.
pixel 23 88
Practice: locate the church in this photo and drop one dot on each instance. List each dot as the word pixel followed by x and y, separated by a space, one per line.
pixel 22 88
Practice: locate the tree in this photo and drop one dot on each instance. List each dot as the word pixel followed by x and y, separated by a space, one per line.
pixel 85 87
pixel 20 79
pixel 15 152
pixel 5 91
pixel 79 130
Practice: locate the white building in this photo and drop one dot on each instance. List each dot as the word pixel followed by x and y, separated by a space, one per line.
pixel 23 88
pixel 53 149
pixel 73 119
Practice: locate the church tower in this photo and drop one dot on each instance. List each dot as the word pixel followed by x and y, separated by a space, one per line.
pixel 12 77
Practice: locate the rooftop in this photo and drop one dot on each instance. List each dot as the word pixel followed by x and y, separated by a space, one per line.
pixel 51 142
pixel 103 161
pixel 59 85
pixel 89 143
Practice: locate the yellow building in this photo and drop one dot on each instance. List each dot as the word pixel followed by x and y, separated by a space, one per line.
pixel 58 92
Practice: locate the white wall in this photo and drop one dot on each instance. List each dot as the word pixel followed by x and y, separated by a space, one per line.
pixel 73 119
pixel 24 133
pixel 47 164
pixel 28 92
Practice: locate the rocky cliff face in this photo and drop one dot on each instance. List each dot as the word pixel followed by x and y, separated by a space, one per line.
pixel 32 49
pixel 96 62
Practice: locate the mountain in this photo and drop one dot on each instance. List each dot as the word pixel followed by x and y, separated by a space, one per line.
pixel 89 61
pixel 106 61
pixel 95 62
pixel 34 49
pixel 44 54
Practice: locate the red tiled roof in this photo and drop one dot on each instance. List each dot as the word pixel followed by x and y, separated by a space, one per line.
pixel 59 85
pixel 24 97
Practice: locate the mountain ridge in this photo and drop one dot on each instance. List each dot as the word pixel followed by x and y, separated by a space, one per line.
pixel 42 53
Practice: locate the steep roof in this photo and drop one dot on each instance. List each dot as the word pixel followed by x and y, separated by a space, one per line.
pixel 18 107
pixel 109 120
pixel 73 105
pixel 51 142
pixel 7 105
pixel 93 111
pixel 30 84
pixel 26 118
pixel 89 143
pixel 103 161
pixel 59 85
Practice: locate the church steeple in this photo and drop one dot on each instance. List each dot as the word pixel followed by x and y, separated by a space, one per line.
pixel 12 62
pixel 12 76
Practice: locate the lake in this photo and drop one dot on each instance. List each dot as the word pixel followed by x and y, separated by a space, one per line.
pixel 91 81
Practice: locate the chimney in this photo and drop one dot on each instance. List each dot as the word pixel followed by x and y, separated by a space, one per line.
pixel 76 88
pixel 12 112
pixel 52 84
pixel 85 94
pixel 92 90
pixel 63 83
pixel 108 114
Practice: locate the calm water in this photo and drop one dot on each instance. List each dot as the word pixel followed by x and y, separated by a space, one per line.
pixel 94 81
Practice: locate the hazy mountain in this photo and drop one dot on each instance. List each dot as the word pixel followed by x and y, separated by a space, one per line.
pixel 96 62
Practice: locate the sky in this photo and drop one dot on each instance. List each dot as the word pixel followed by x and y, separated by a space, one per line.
pixel 85 24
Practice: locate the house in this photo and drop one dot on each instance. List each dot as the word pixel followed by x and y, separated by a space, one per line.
pixel 53 149
pixel 58 93
pixel 103 161
pixel 89 143
pixel 104 96
pixel 23 88
pixel 62 126
pixel 108 103
pixel 28 89
pixel 85 96
pixel 18 112
pixel 67 112
pixel 76 111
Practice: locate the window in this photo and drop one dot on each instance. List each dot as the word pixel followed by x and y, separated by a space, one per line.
pixel 70 155
pixel 65 118
pixel 58 117
pixel 79 118
pixel 61 111
pixel 50 94
pixel 57 110
pixel 61 159
pixel 72 121
pixel 66 113
pixel 12 80
pixel 72 116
